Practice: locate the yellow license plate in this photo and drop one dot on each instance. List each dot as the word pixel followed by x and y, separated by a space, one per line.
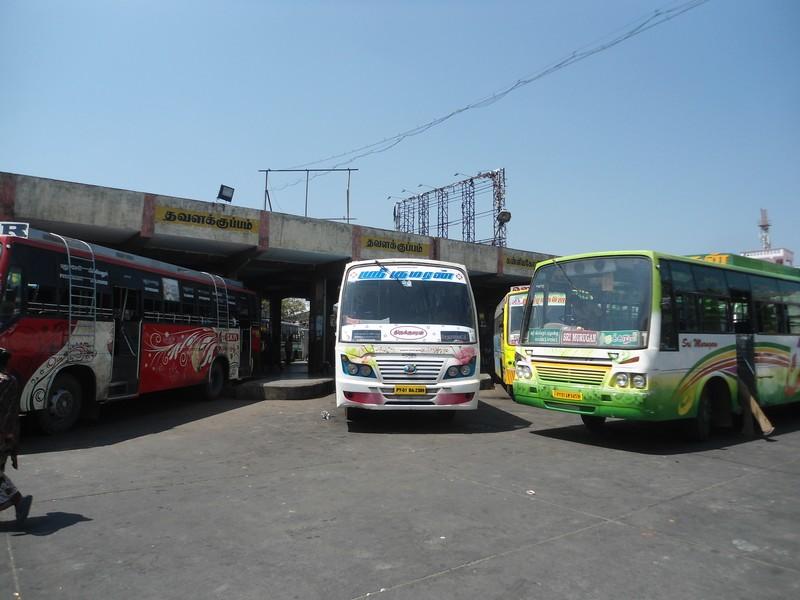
pixel 561 395
pixel 410 390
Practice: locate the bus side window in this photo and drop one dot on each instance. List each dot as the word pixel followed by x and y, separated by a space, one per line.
pixel 187 303
pixel 685 297
pixel 11 303
pixel 769 309
pixel 204 305
pixel 740 310
pixel 669 334
pixel 790 291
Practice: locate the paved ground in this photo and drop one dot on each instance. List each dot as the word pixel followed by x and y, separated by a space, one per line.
pixel 166 498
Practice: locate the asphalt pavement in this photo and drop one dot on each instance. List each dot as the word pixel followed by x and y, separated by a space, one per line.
pixel 167 497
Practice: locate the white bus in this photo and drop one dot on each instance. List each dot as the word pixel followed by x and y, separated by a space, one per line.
pixel 407 338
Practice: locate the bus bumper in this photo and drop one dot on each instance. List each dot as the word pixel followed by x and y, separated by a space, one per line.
pixel 598 401
pixel 455 394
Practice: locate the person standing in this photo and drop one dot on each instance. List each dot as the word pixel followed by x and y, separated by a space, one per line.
pixel 9 441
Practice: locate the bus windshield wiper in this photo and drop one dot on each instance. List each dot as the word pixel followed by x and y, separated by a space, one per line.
pixel 560 268
pixel 384 269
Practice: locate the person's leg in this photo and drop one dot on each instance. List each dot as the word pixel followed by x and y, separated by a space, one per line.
pixel 9 495
pixel 22 508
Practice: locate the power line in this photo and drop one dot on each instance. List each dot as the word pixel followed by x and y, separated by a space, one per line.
pixel 658 17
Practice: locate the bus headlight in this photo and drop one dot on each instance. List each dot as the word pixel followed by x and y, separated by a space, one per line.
pixel 464 370
pixel 621 379
pixel 639 381
pixel 524 372
pixel 357 369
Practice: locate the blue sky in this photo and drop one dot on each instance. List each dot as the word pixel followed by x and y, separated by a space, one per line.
pixel 672 140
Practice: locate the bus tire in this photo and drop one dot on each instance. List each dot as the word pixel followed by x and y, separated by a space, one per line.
pixel 215 381
pixel 594 423
pixel 510 390
pixel 63 405
pixel 698 428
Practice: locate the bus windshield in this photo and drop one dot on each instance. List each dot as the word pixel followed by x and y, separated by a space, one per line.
pixel 376 297
pixel 516 309
pixel 407 302
pixel 591 302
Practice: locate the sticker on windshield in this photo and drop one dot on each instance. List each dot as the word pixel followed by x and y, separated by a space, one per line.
pixel 405 274
pixel 585 337
pixel 553 299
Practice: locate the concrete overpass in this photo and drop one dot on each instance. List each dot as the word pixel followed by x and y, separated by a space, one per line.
pixel 279 255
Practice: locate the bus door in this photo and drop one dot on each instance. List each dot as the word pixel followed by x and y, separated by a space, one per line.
pixel 127 326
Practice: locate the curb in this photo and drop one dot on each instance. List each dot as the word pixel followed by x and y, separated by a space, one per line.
pixel 291 389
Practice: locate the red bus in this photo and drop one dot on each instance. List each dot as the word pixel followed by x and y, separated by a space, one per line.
pixel 87 324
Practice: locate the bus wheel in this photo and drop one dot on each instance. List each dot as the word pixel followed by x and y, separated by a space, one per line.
pixel 698 428
pixel 510 390
pixel 593 423
pixel 215 381
pixel 63 406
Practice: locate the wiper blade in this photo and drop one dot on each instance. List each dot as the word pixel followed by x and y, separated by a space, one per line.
pixel 384 269
pixel 560 268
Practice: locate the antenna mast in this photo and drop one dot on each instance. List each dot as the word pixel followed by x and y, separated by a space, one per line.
pixel 763 225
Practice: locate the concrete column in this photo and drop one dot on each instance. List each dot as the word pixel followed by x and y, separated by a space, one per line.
pixel 330 323
pixel 275 343
pixel 318 332
pixel 315 332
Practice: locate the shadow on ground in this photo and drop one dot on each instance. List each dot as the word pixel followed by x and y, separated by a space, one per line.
pixel 486 419
pixel 667 438
pixel 128 419
pixel 42 525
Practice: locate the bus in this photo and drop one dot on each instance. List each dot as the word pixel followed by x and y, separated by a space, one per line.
pixel 407 338
pixel 654 337
pixel 507 323
pixel 87 324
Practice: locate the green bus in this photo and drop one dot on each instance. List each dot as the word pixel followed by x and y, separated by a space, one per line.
pixel 648 336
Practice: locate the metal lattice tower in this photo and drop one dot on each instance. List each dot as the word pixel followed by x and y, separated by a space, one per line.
pixel 442 202
pixel 423 206
pixel 763 225
pixel 498 178
pixel 468 211
pixel 408 217
pixel 412 215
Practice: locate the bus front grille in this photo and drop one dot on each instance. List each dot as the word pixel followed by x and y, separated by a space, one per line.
pixel 556 373
pixel 397 370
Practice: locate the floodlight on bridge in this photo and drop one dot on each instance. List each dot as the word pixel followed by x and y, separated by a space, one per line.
pixel 504 216
pixel 225 193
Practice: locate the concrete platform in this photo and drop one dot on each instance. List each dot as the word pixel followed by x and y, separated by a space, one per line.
pixel 284 389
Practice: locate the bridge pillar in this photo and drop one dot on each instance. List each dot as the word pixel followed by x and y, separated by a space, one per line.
pixel 321 332
pixel 275 344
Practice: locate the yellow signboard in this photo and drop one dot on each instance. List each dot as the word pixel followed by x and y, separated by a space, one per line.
pixel 522 262
pixel 720 259
pixel 215 220
pixel 398 246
